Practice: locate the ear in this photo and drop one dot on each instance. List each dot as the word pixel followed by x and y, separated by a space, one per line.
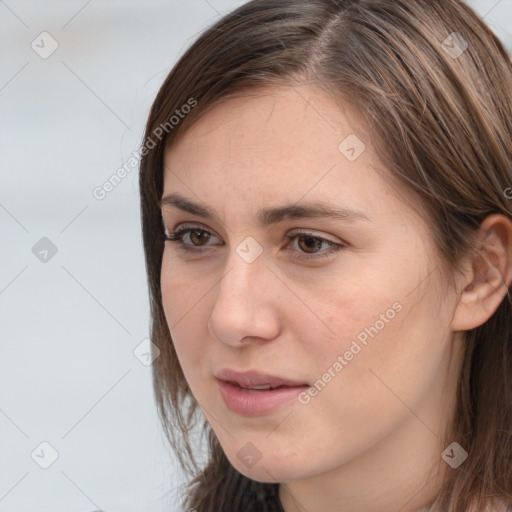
pixel 487 276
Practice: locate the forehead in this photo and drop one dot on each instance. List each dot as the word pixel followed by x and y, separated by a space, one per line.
pixel 272 118
pixel 275 146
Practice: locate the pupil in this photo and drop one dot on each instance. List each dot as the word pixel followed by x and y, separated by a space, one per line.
pixel 310 242
pixel 199 236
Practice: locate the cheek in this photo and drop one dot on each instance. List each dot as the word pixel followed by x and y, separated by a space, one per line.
pixel 346 314
pixel 386 353
pixel 182 290
pixel 184 302
pixel 384 304
pixel 378 333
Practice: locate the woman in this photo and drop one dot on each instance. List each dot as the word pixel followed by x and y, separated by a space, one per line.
pixel 328 240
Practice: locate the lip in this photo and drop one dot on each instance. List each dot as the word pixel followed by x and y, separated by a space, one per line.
pixel 256 403
pixel 255 378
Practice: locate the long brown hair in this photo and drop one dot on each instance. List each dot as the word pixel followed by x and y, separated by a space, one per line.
pixel 435 85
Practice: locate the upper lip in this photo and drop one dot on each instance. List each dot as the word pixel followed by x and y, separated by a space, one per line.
pixel 252 378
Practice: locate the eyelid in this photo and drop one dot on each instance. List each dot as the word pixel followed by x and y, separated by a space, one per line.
pixel 187 225
pixel 190 225
pixel 315 234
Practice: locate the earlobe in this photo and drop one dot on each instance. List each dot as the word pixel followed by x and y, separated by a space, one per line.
pixel 486 282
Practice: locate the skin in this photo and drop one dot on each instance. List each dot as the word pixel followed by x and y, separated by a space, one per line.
pixel 372 438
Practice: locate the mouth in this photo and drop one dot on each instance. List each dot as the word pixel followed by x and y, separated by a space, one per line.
pixel 254 393
pixel 258 389
pixel 258 381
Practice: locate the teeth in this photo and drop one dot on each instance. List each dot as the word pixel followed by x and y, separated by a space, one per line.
pixel 258 388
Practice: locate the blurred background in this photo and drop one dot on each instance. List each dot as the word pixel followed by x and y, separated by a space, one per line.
pixel 78 426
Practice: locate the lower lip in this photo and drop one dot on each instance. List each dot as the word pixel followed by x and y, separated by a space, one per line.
pixel 256 403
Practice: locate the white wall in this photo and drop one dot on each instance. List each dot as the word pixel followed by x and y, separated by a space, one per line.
pixel 68 326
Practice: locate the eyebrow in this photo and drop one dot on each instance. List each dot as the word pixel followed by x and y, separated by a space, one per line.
pixel 268 216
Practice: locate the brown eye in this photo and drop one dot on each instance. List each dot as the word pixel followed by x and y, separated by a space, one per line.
pixel 199 236
pixel 192 239
pixel 309 244
pixel 306 246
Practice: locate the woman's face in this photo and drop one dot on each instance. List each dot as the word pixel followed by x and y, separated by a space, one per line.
pixel 347 309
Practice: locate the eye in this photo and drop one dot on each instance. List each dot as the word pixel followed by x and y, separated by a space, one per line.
pixel 310 246
pixel 191 238
pixel 306 245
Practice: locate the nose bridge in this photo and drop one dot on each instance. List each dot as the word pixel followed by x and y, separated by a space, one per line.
pixel 241 277
pixel 243 303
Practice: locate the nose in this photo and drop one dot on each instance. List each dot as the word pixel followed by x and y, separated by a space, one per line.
pixel 246 304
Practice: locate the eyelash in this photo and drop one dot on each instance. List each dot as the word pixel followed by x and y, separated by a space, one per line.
pixel 178 235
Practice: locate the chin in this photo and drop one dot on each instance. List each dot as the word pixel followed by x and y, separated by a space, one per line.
pixel 271 471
